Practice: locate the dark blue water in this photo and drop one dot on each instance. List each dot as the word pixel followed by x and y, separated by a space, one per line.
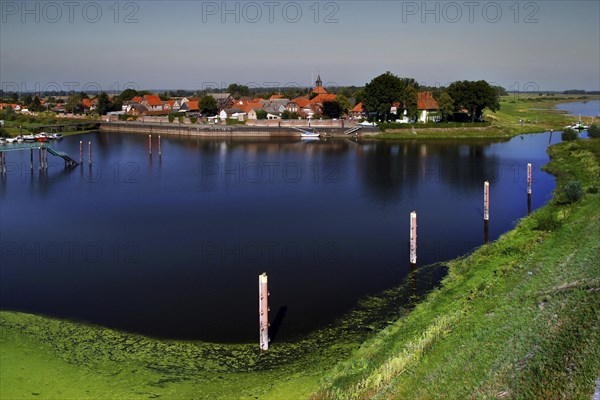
pixel 173 246
pixel 589 108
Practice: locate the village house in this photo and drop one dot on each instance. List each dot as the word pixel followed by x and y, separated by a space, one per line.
pixel 426 105
pixel 358 111
pixel 224 100
pixel 153 103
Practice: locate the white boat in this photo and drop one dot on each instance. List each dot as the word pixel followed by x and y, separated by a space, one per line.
pixel 578 126
pixel 367 123
pixel 11 140
pixel 307 134
pixel 56 136
pixel 29 138
pixel 2 141
pixel 19 139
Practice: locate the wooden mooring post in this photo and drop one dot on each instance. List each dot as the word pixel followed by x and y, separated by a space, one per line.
pixel 529 172
pixel 159 147
pixel 81 152
pixel 263 310
pixel 486 201
pixel 90 153
pixel 31 159
pixel 150 145
pixel 413 238
pixel 40 159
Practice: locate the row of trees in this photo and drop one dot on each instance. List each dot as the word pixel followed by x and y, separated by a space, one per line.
pixel 387 89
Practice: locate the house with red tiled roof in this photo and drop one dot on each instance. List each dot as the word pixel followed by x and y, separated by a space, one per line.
pixel 153 103
pixel 301 101
pixel 358 111
pixel 323 97
pixel 426 104
pixel 276 97
pixel 137 99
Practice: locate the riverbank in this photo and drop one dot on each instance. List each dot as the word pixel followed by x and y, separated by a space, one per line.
pixel 516 308
pixel 518 114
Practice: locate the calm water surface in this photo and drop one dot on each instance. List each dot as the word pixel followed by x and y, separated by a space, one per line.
pixel 172 246
pixel 589 108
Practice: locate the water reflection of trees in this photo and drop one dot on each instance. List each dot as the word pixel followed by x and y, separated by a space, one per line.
pixel 388 169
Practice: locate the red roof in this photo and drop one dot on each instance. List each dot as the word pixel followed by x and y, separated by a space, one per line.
pixel 301 101
pixel 193 105
pixel 86 103
pixel 153 100
pixel 322 98
pixel 358 108
pixel 425 101
pixel 319 90
pixel 251 106
pixel 276 96
pixel 137 99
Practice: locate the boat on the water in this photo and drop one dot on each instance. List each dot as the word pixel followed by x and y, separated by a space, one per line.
pixel 11 140
pixel 56 136
pixel 578 126
pixel 28 138
pixel 312 134
pixel 41 137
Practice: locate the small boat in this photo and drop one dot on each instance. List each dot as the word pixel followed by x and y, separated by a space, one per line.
pixel 307 134
pixel 19 139
pixel 57 136
pixel 578 126
pixel 29 138
pixel 41 137
pixel 2 141
pixel 11 140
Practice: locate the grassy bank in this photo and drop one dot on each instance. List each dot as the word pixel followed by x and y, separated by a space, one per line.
pixel 518 318
pixel 517 115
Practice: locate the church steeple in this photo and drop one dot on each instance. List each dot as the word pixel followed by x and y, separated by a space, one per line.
pixel 319 82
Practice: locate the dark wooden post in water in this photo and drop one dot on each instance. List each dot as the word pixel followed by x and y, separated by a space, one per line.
pixel 31 159
pixel 263 310
pixel 413 238
pixel 40 158
pixel 90 153
pixel 159 147
pixel 80 152
pixel 150 144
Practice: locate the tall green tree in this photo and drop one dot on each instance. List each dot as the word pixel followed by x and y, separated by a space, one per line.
pixel 73 103
pixel 446 106
pixel 238 90
pixel 36 105
pixel 332 109
pixel 344 103
pixel 104 105
pixel 207 105
pixel 474 96
pixel 386 89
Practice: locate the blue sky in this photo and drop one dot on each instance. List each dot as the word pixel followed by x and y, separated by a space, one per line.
pixel 545 45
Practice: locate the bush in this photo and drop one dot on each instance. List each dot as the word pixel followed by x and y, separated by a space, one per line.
pixel 171 118
pixel 193 120
pixel 547 221
pixel 593 189
pixel 594 131
pixel 573 191
pixel 569 134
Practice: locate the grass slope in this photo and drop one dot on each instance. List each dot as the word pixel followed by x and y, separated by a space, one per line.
pixel 519 318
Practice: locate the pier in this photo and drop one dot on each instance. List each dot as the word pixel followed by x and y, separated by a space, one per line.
pixel 42 146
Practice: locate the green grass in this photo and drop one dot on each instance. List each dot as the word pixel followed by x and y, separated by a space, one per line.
pixel 517 115
pixel 518 318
